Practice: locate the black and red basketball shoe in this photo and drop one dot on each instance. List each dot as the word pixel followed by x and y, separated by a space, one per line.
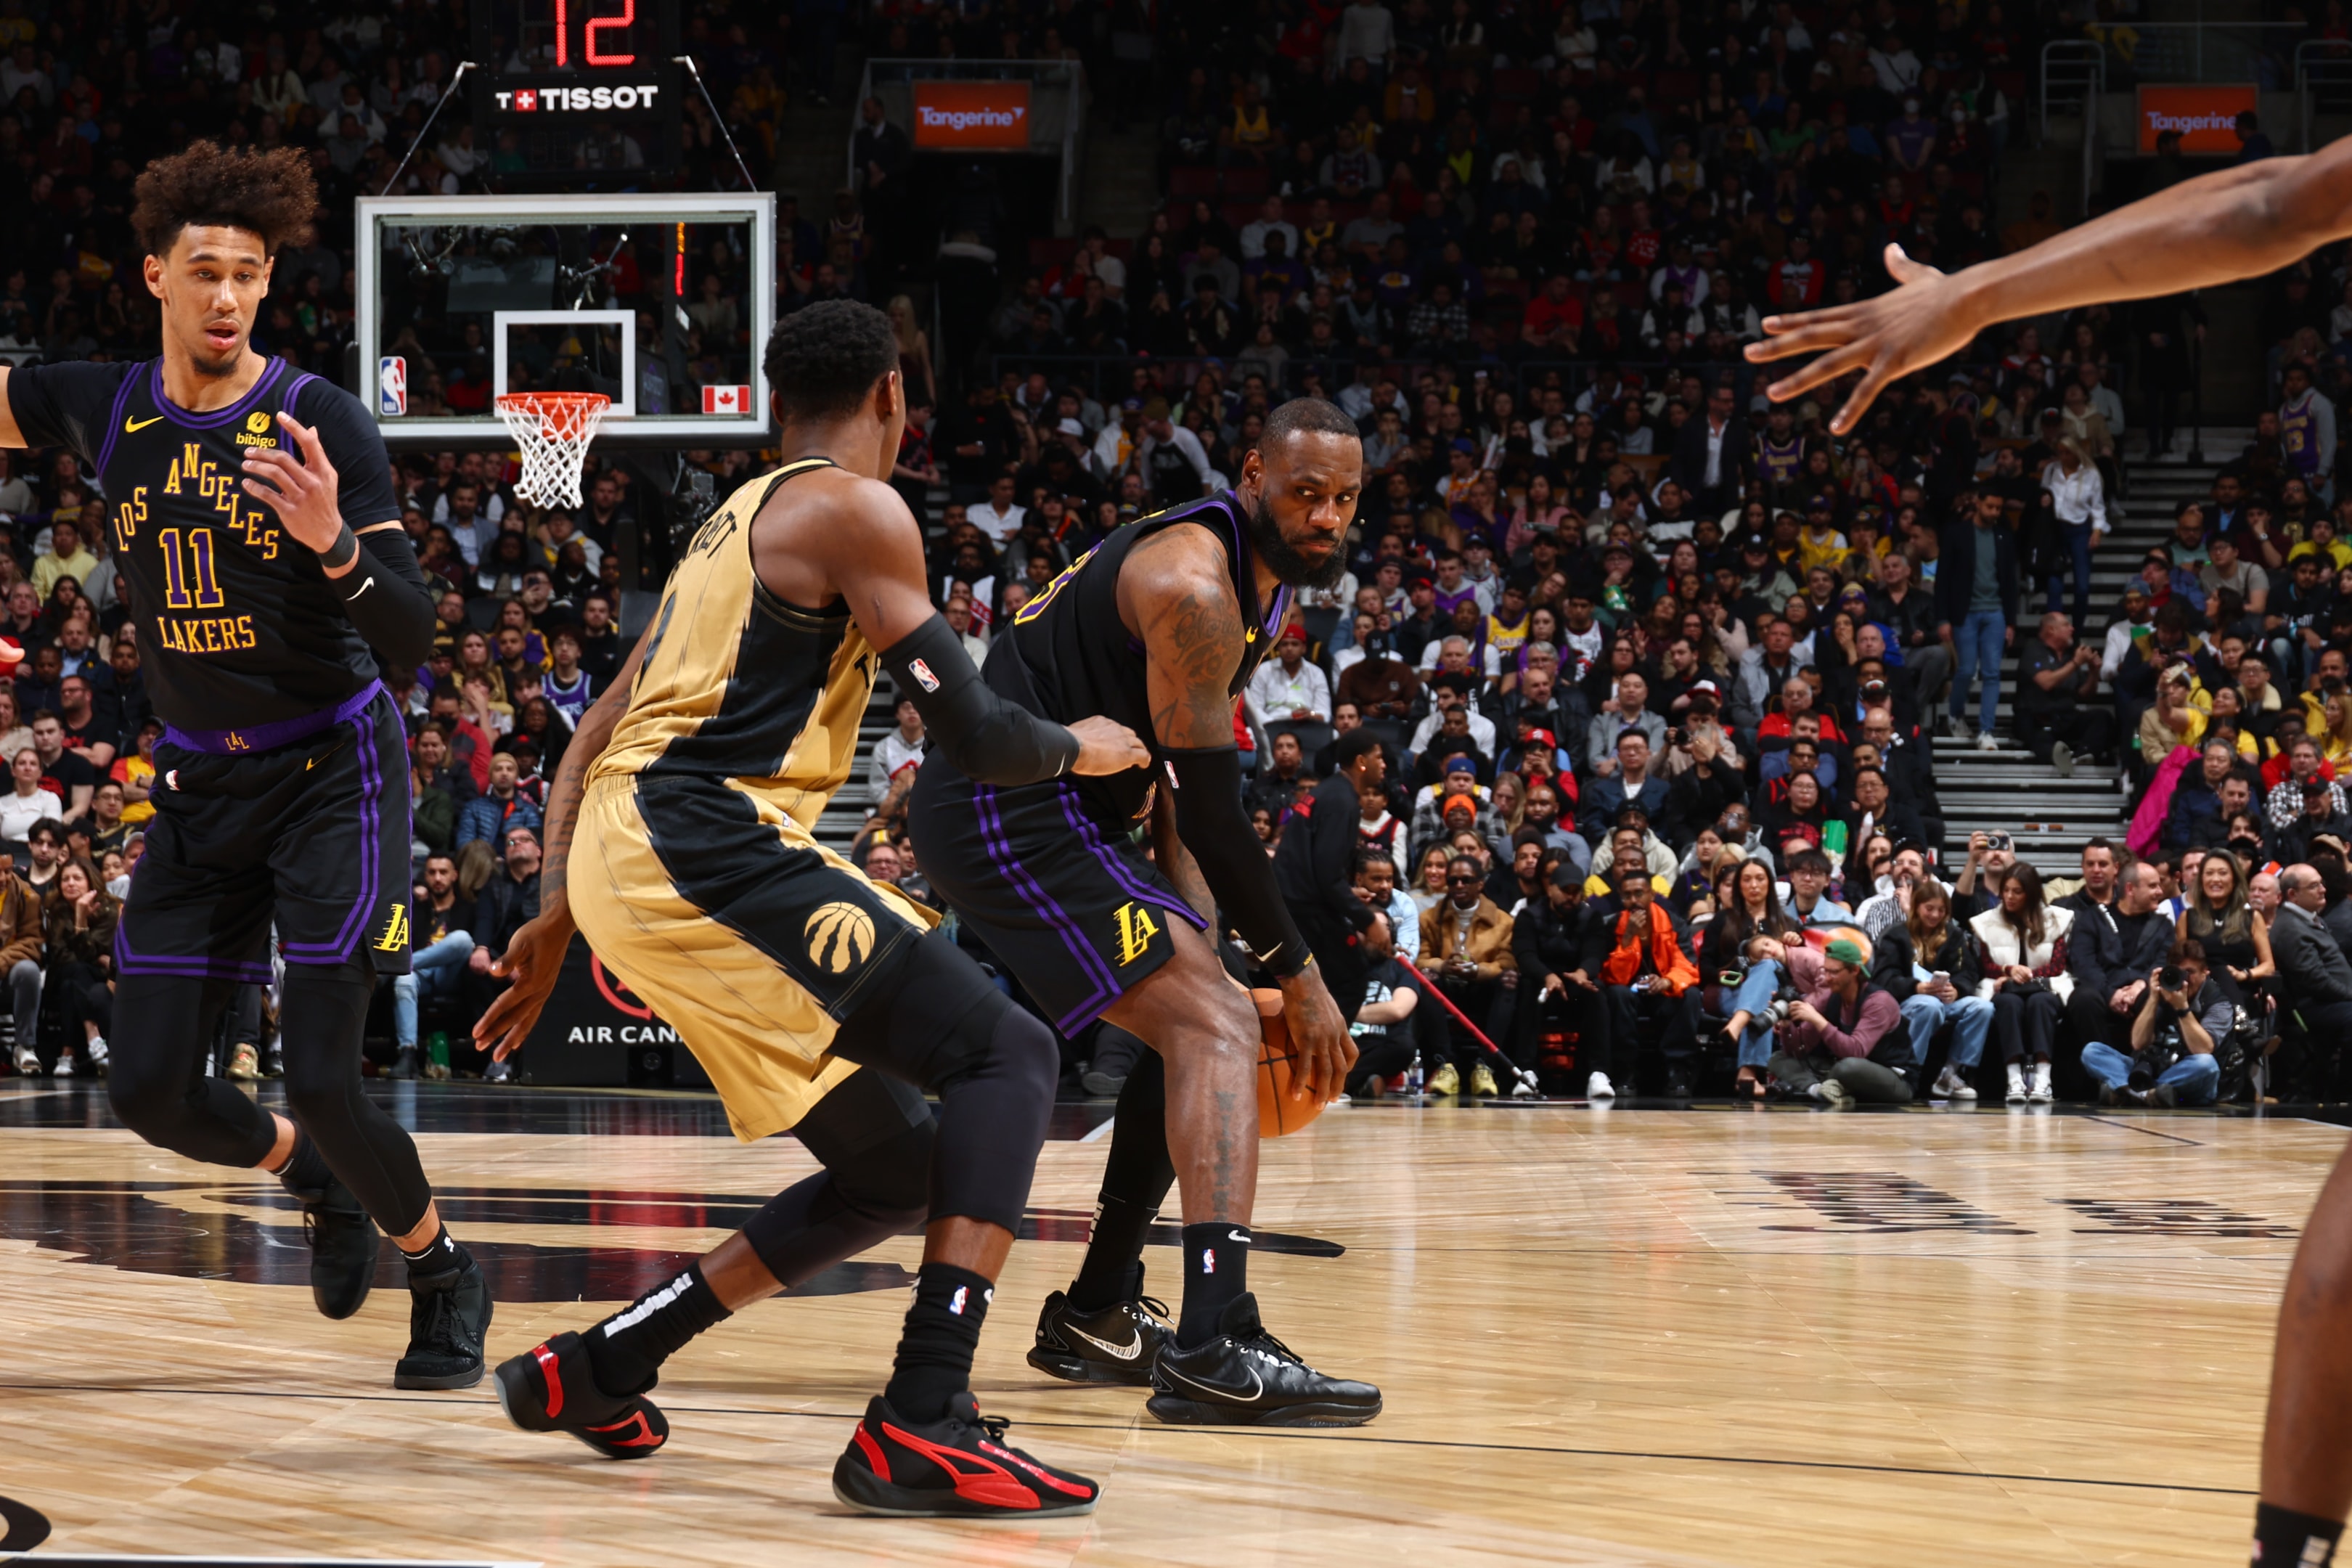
pixel 551 1387
pixel 956 1468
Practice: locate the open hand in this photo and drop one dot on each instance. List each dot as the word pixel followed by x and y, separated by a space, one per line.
pixel 532 961
pixel 301 491
pixel 1922 322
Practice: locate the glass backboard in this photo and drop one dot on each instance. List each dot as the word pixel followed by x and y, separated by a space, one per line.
pixel 663 303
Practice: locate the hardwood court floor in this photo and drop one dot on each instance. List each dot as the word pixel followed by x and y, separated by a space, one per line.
pixel 1620 1337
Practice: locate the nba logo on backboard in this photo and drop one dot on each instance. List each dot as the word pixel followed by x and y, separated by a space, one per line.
pixel 390 385
pixel 726 400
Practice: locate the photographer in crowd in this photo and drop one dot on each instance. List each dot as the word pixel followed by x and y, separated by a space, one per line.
pixel 2181 1015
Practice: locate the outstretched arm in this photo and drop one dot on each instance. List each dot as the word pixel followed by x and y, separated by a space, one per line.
pixel 535 954
pixel 2237 223
pixel 872 555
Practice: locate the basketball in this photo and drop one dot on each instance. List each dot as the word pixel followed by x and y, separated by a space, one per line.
pixel 1277 1113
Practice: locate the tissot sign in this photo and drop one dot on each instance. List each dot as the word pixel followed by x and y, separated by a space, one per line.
pixel 2206 116
pixel 963 115
pixel 575 99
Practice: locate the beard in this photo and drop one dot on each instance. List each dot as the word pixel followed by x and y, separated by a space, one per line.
pixel 1290 565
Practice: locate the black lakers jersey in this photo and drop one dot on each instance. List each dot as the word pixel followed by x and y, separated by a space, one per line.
pixel 237 623
pixel 1068 656
pixel 737 684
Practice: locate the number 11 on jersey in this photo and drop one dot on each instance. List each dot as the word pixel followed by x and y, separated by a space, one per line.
pixel 197 569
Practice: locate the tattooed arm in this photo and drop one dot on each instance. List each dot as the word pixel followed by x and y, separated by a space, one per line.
pixel 535 955
pixel 1175 591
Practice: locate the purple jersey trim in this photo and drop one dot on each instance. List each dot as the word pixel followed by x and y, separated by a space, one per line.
pixel 1120 871
pixel 211 419
pixel 371 829
pixel 1009 867
pixel 276 733
pixel 114 425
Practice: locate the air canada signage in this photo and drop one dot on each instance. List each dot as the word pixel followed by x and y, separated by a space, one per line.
pixel 963 116
pixel 2205 117
pixel 593 1027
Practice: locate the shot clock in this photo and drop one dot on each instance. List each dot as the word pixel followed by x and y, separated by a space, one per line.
pixel 577 94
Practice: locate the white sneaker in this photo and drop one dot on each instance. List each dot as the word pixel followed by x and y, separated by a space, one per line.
pixel 65 1068
pixel 1950 1085
pixel 95 1054
pixel 2040 1093
pixel 1523 1088
pixel 2062 757
pixel 1598 1087
pixel 28 1061
pixel 1985 742
pixel 2016 1084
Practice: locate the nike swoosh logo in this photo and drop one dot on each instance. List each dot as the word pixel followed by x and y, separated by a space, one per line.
pixel 1257 1388
pixel 134 425
pixel 1240 1236
pixel 363 588
pixel 1124 1353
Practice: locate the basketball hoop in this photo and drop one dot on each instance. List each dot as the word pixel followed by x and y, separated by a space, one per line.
pixel 553 429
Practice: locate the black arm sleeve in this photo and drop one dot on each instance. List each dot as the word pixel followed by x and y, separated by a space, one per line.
pixel 385 597
pixel 990 739
pixel 1209 820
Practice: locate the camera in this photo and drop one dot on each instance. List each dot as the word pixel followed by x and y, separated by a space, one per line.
pixel 1678 736
pixel 2170 978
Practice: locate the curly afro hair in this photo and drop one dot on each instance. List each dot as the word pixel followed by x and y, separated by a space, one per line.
pixel 823 358
pixel 269 194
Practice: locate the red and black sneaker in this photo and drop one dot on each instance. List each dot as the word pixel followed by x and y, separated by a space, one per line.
pixel 958 1467
pixel 551 1388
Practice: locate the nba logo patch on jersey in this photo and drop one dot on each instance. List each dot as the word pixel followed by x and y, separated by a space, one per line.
pixel 955 1304
pixel 390 385
pixel 726 400
pixel 923 675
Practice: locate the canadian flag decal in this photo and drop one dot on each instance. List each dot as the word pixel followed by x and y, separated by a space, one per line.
pixel 726 400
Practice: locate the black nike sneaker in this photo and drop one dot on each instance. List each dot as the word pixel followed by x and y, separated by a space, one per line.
pixel 1244 1376
pixel 448 1314
pixel 1114 1345
pixel 958 1467
pixel 551 1387
pixel 343 1247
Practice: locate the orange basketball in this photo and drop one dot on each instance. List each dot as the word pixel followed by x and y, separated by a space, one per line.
pixel 1277 1113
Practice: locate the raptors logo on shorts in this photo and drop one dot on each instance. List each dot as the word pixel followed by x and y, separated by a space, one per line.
pixel 839 936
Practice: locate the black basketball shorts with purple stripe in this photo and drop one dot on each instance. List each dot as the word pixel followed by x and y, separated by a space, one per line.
pixel 1069 904
pixel 311 831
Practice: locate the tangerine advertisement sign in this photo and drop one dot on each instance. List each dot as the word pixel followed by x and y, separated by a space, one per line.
pixel 2206 116
pixel 963 116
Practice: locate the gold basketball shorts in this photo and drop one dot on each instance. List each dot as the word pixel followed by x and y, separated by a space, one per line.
pixel 746 935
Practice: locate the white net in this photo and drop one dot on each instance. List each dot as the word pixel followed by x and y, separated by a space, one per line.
pixel 553 429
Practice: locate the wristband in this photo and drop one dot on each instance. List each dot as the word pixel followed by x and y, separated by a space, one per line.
pixel 342 551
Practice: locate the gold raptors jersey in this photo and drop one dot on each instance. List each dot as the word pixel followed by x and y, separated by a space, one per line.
pixel 694 873
pixel 739 685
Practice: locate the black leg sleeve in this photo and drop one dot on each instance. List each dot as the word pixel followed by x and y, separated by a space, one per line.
pixel 156 1080
pixel 941 1024
pixel 873 1137
pixel 1140 1171
pixel 324 1020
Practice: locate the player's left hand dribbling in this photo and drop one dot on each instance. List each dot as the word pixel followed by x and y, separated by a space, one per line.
pixel 300 490
pixel 1318 1033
